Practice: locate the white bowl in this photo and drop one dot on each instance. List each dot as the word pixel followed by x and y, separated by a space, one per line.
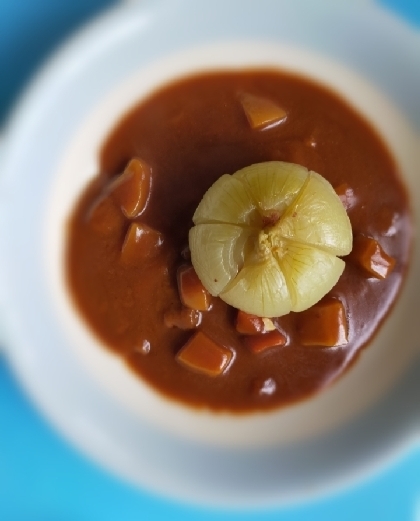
pixel 52 146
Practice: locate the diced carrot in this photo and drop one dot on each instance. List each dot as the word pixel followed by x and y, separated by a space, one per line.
pixel 182 318
pixel 259 343
pixel 141 242
pixel 346 195
pixel 368 254
pixel 324 324
pixel 191 290
pixel 248 324
pixel 261 112
pixel 131 190
pixel 205 356
pixel 104 217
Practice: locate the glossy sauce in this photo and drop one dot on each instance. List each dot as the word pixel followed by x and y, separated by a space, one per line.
pixel 190 133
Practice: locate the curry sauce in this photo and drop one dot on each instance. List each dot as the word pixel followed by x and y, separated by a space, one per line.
pixel 188 134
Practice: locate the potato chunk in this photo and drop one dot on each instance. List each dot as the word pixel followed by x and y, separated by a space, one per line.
pixel 368 254
pixel 260 343
pixel 261 112
pixel 141 242
pixel 203 355
pixel 324 324
pixel 191 290
pixel 131 190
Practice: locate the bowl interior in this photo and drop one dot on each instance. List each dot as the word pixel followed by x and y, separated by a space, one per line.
pixel 79 162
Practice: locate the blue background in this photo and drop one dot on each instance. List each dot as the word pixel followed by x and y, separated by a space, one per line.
pixel 41 477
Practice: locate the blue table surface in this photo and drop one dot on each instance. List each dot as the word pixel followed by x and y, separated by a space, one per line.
pixel 41 476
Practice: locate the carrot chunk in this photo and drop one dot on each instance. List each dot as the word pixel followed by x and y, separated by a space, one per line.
pixel 248 324
pixel 259 343
pixel 131 190
pixel 324 324
pixel 104 217
pixel 141 242
pixel 191 290
pixel 261 112
pixel 368 254
pixel 183 318
pixel 203 355
pixel 346 195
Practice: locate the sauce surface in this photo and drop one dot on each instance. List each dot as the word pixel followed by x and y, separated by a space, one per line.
pixel 190 133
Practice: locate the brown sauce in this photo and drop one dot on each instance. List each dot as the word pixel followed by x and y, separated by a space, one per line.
pixel 190 133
